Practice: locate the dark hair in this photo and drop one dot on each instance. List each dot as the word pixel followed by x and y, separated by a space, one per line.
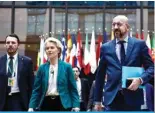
pixel 77 68
pixel 13 35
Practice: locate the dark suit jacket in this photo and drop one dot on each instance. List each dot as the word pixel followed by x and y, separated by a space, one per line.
pixel 66 86
pixel 91 97
pixel 85 91
pixel 149 96
pixel 25 79
pixel 136 56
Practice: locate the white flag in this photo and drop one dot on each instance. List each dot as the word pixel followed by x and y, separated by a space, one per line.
pixel 93 53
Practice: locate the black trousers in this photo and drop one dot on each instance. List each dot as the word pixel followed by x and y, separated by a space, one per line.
pixel 53 104
pixel 82 106
pixel 119 104
pixel 14 103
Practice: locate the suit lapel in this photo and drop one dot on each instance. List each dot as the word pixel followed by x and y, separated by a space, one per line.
pixel 129 48
pixel 82 83
pixel 113 46
pixel 46 75
pixel 4 62
pixel 20 66
pixel 59 71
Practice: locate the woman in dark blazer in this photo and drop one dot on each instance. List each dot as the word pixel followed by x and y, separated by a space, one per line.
pixel 55 87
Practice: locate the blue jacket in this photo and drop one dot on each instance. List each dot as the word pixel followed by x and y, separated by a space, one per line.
pixel 149 96
pixel 136 56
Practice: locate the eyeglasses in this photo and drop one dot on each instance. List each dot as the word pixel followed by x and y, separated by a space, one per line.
pixel 118 24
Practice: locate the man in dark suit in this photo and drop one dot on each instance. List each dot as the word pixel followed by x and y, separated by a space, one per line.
pixel 16 77
pixel 122 51
pixel 148 98
pixel 83 89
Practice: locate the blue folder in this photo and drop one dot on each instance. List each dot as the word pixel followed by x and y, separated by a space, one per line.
pixel 131 72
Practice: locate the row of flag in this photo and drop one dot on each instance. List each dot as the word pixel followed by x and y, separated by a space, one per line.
pixel 87 57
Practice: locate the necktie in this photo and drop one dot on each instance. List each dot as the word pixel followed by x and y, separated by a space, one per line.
pixel 122 52
pixel 10 71
pixel 10 67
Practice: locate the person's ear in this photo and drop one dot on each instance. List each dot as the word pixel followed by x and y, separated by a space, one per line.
pixel 5 45
pixel 128 26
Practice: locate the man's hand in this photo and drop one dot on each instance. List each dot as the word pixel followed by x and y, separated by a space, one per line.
pixel 76 109
pixel 30 110
pixel 135 84
pixel 98 107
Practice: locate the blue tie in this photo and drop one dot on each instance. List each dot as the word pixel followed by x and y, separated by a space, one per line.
pixel 122 52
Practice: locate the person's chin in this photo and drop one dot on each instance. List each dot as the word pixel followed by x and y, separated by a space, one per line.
pixel 120 38
pixel 11 52
pixel 117 36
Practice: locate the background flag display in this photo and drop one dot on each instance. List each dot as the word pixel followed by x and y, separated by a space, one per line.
pixel 41 57
pixel 63 41
pixel 153 46
pixel 142 35
pixel 137 36
pixel 69 46
pixel 98 48
pixel 93 53
pixel 86 57
pixel 79 51
pixel 148 43
pixel 73 60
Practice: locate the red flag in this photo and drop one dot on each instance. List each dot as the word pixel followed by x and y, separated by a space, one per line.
pixel 142 35
pixel 98 48
pixel 79 51
pixel 87 57
pixel 137 36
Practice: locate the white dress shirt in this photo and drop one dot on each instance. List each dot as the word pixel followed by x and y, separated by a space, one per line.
pixel 52 81
pixel 14 88
pixel 144 106
pixel 78 83
pixel 118 47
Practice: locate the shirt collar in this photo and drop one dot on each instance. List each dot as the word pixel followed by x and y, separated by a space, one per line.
pixel 126 39
pixel 78 79
pixel 54 66
pixel 14 56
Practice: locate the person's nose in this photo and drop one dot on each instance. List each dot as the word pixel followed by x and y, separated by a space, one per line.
pixel 49 50
pixel 10 44
pixel 115 26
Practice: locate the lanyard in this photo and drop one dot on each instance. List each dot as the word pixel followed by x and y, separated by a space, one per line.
pixel 14 68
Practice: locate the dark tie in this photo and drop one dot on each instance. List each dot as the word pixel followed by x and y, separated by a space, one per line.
pixel 10 71
pixel 122 52
pixel 10 67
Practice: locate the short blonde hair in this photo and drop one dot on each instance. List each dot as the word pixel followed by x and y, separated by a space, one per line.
pixel 57 42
